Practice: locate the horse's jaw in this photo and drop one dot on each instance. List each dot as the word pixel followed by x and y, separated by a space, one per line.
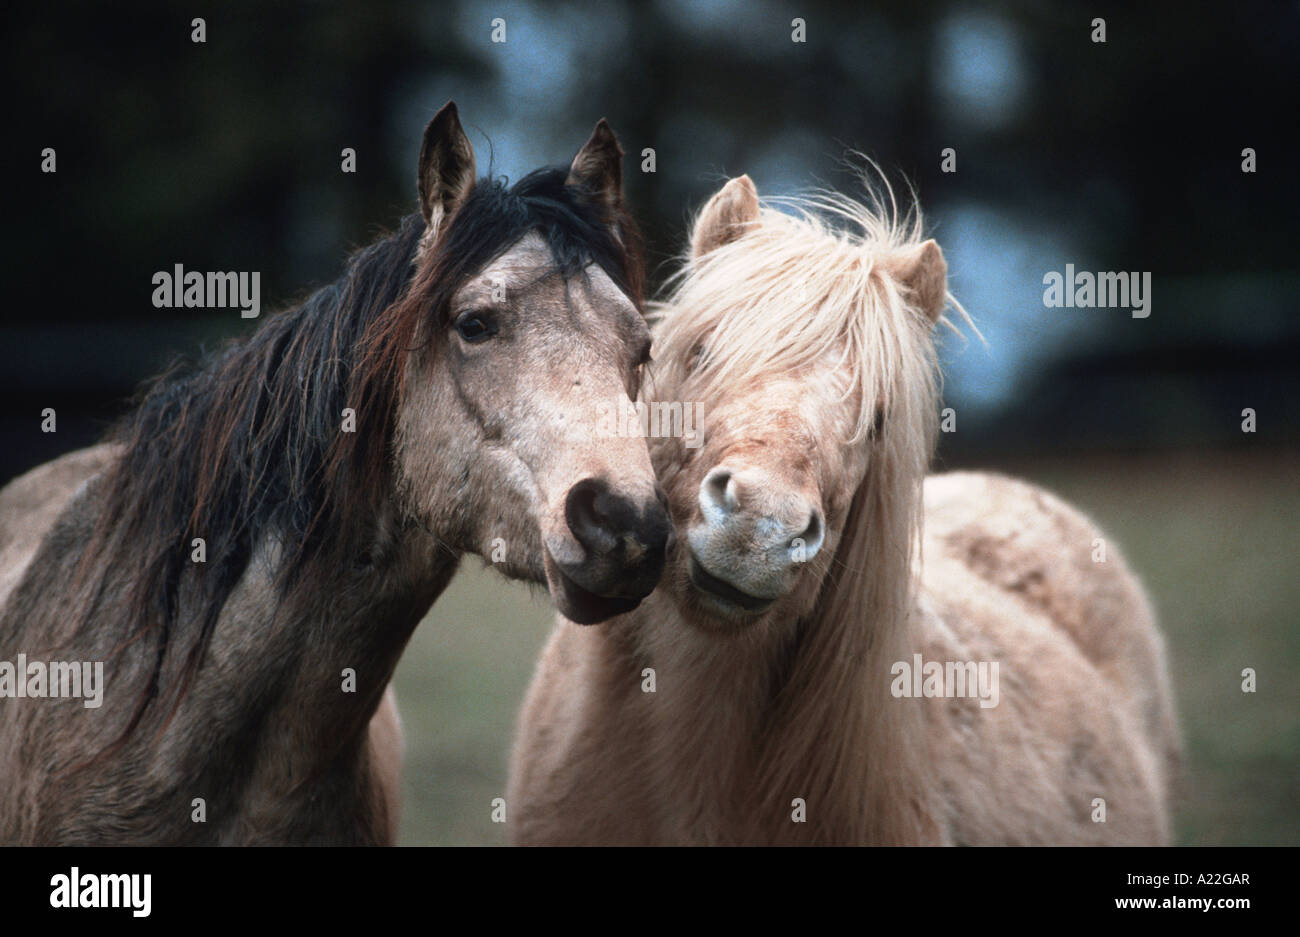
pixel 580 605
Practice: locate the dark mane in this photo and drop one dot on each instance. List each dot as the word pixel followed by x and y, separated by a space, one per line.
pixel 248 444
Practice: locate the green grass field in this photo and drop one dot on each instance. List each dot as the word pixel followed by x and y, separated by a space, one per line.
pixel 1215 539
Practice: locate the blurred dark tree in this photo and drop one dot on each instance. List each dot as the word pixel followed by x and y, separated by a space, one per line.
pixel 225 156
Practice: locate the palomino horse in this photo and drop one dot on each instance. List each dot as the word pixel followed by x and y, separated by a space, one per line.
pixel 250 555
pixel 771 690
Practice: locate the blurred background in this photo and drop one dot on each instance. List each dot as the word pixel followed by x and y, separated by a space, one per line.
pixel 1117 156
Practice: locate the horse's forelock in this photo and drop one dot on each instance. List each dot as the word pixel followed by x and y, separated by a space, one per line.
pixel 798 291
pixel 578 230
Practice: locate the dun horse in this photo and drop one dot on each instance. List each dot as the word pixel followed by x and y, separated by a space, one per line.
pixel 250 554
pixel 806 673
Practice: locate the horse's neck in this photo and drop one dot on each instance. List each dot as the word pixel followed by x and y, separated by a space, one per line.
pixel 749 723
pixel 712 697
pixel 290 682
pixel 332 647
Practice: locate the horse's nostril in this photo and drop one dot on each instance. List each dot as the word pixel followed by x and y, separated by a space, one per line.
pixel 807 542
pixel 614 531
pixel 586 513
pixel 624 541
pixel 813 532
pixel 719 491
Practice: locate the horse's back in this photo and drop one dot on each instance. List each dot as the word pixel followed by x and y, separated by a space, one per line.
pixel 31 503
pixel 1079 603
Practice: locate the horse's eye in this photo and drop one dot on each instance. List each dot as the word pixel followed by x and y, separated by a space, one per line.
pixel 475 327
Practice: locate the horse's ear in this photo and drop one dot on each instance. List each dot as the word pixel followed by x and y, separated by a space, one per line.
pixel 925 273
pixel 597 170
pixel 726 217
pixel 446 172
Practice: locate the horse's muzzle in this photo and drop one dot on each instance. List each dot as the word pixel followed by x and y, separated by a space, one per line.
pixel 623 549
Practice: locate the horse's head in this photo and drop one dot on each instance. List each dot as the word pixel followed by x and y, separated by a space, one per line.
pixel 809 352
pixel 524 327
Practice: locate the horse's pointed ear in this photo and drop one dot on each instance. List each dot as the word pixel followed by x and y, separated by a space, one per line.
pixel 727 216
pixel 924 271
pixel 446 172
pixel 597 170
